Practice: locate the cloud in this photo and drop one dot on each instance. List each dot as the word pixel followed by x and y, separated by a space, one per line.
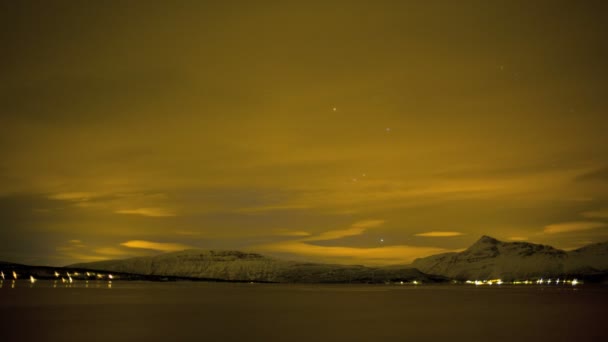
pixel 370 256
pixel 292 233
pixel 368 223
pixel 273 208
pixel 110 251
pixel 72 196
pixel 567 227
pixel 77 252
pixel 602 213
pixel 158 246
pixel 356 229
pixel 187 233
pixel 150 212
pixel 439 234
pixel 518 238
pixel 352 255
pixel 75 241
pixel 600 174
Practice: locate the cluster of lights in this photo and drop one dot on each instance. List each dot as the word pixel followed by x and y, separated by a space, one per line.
pixel 540 281
pixel 485 282
pixel 414 282
pixel 77 274
pixel 67 279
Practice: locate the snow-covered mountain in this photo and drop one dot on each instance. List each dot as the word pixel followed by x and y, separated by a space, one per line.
pixel 239 266
pixel 589 258
pixel 489 258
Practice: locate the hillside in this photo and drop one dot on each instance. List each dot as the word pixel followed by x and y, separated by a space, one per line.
pixel 489 258
pixel 239 266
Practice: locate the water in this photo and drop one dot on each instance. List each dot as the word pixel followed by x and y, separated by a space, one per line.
pixel 191 311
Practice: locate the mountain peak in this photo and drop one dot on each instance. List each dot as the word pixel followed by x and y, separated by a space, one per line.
pixel 485 240
pixel 483 244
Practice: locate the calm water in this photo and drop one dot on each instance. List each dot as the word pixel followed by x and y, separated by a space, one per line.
pixel 184 311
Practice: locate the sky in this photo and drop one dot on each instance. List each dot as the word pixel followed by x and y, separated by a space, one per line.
pixel 352 132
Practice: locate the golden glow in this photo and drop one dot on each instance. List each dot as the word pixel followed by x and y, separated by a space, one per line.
pixel 325 142
pixel 376 255
pixel 152 212
pixel 602 213
pixel 158 246
pixel 439 234
pixel 356 229
pixel 573 227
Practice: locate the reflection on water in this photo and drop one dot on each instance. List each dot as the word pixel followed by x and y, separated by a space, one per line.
pixel 99 282
pixel 153 311
pixel 37 283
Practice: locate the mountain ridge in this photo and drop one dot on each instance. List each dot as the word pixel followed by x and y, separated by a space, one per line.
pixel 489 258
pixel 245 266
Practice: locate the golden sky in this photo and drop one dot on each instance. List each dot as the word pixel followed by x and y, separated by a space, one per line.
pixel 368 132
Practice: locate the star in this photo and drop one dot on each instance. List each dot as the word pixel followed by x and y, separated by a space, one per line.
pixel 334 109
pixel 381 240
pixel 388 129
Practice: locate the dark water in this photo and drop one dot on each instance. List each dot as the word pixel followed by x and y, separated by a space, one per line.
pixel 184 311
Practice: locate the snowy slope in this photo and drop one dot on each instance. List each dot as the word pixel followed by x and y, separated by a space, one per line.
pixel 489 258
pixel 591 257
pixel 239 266
pixel 227 265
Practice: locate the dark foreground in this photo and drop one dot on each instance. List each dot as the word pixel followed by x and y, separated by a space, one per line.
pixel 186 311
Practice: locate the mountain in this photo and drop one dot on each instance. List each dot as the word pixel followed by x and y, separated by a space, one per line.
pixel 489 258
pixel 591 257
pixel 239 266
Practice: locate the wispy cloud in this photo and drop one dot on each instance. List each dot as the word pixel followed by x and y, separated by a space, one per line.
pixel 273 208
pixel 110 251
pixel 72 196
pixel 188 233
pixel 150 212
pixel 75 251
pixel 439 234
pixel 567 227
pixel 370 256
pixel 356 229
pixel 158 246
pixel 602 213
pixel 518 238
pixel 600 174
pixel 292 233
